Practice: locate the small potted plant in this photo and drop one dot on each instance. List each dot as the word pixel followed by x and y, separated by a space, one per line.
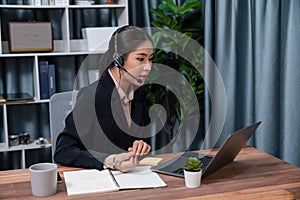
pixel 192 172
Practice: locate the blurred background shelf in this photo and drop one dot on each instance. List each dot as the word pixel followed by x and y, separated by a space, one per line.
pixel 19 72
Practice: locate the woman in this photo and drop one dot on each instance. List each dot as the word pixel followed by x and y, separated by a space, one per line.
pixel 105 128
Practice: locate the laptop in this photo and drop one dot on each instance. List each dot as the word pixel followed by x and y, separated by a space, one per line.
pixel 210 164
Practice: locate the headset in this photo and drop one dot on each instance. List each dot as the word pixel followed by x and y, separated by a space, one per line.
pixel 119 60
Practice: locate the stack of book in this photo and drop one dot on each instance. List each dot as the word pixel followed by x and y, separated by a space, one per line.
pixel 47 2
pixel 47 79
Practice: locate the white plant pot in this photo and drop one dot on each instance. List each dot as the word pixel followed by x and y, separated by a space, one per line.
pixel 192 179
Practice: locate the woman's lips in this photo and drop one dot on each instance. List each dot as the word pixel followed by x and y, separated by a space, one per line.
pixel 143 77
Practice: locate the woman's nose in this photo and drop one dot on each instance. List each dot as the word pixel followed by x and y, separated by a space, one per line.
pixel 147 66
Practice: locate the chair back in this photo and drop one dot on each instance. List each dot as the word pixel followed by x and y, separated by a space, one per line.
pixel 60 105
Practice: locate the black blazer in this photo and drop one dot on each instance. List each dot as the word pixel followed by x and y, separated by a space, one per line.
pixel 97 126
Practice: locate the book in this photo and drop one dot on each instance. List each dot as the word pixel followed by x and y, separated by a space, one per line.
pixel 44 2
pixel 37 2
pixel 51 79
pixel 61 2
pixel 90 181
pixel 44 81
pixel 47 79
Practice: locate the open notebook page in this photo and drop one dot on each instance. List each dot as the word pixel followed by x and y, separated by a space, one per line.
pixel 140 177
pixel 89 181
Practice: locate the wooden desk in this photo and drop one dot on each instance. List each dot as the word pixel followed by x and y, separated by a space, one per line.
pixel 253 175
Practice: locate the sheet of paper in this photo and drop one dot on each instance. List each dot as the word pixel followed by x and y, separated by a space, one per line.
pixel 140 177
pixel 89 181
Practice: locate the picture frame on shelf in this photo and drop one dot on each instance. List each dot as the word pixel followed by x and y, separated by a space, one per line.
pixel 30 37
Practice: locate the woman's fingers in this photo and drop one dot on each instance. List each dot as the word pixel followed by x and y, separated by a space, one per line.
pixel 139 147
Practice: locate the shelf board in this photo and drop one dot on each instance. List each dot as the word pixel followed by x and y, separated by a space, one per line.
pixel 24 147
pixel 50 54
pixel 63 7
pixel 31 7
pixel 97 6
pixel 25 102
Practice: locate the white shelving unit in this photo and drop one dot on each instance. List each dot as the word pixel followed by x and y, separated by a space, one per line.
pixel 13 112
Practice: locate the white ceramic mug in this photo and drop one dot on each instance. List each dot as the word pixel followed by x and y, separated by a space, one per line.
pixel 43 178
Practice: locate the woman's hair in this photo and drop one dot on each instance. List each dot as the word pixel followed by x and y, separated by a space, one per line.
pixel 123 41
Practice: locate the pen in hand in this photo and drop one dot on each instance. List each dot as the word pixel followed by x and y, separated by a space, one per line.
pixel 120 161
pixel 123 160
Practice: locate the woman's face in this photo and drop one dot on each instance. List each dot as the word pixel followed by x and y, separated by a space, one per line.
pixel 138 63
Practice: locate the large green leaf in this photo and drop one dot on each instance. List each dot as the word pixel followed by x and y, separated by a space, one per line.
pixel 188 5
pixel 158 12
pixel 171 5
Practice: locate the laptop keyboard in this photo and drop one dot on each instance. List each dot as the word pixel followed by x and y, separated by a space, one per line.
pixel 205 161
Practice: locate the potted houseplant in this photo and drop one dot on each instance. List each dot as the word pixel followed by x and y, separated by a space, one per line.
pixel 185 19
pixel 192 172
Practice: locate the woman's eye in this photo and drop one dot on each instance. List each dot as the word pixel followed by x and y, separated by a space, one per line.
pixel 140 59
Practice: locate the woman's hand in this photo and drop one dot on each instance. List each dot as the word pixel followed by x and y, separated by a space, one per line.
pixel 139 148
pixel 125 161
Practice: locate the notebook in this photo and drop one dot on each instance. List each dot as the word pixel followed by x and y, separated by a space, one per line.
pixel 226 154
pixel 90 181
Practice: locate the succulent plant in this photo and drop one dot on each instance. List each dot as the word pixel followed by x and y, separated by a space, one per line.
pixel 193 164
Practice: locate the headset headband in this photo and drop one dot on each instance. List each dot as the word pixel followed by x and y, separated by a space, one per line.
pixel 116 54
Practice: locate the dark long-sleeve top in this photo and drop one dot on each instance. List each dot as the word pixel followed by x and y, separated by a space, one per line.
pixel 97 126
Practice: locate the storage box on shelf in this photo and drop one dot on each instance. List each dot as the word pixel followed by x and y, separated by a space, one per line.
pixel 19 72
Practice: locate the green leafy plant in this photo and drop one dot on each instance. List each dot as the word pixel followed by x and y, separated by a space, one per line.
pixel 192 164
pixel 184 19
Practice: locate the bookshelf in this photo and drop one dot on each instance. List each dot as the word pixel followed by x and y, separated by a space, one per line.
pixel 19 72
